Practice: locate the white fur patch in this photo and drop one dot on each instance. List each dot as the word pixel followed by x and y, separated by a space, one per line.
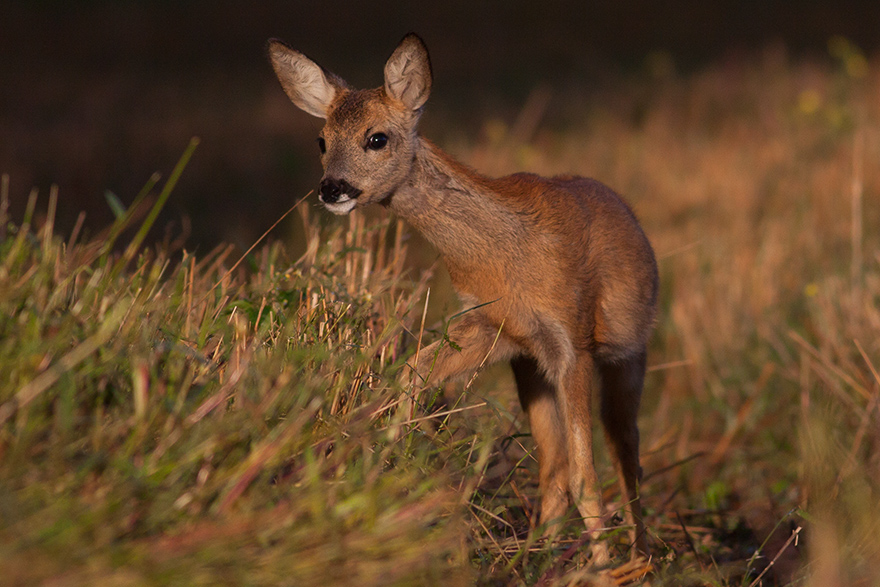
pixel 342 206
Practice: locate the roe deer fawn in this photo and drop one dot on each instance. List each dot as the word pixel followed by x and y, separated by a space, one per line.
pixel 562 262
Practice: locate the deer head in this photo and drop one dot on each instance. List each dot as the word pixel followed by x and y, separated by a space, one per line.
pixel 369 140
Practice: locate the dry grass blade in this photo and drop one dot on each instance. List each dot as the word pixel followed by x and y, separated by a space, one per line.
pixel 632 571
pixel 4 204
pixel 669 365
pixel 793 538
pixel 434 416
pixel 223 394
pixel 832 368
pixel 254 245
pixel 690 542
pixel 485 358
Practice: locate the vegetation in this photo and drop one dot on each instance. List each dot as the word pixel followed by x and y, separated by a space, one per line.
pixel 168 419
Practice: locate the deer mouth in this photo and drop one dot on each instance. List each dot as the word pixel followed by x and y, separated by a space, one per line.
pixel 342 206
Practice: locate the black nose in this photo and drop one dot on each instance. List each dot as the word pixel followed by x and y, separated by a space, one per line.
pixel 333 189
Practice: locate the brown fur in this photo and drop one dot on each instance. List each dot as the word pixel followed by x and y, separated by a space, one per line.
pixel 563 261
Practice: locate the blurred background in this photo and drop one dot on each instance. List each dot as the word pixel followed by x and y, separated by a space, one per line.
pixel 746 135
pixel 97 95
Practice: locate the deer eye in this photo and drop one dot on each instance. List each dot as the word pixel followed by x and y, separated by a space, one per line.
pixel 377 141
pixel 322 145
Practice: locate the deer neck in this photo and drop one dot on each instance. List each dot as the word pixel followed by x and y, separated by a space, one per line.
pixel 455 208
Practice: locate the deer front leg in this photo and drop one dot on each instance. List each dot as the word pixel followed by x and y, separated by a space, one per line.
pixel 476 342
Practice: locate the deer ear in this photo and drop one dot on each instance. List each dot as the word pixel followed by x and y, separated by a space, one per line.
pixel 306 83
pixel 408 73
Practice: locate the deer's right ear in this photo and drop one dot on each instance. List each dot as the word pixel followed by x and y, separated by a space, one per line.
pixel 305 82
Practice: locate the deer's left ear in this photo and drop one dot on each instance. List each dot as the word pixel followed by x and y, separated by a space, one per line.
pixel 408 73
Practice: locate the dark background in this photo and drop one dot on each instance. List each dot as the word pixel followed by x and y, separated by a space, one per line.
pixel 96 96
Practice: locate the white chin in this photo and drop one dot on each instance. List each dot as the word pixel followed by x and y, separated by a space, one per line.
pixel 341 207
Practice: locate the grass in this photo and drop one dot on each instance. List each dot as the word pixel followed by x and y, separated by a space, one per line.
pixel 173 419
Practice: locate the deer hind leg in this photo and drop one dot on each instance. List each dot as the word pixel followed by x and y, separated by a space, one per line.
pixel 621 383
pixel 576 395
pixel 538 398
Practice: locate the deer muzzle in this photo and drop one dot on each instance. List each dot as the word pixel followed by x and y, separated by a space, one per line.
pixel 337 191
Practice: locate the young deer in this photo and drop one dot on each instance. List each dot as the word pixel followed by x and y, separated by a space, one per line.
pixel 560 265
